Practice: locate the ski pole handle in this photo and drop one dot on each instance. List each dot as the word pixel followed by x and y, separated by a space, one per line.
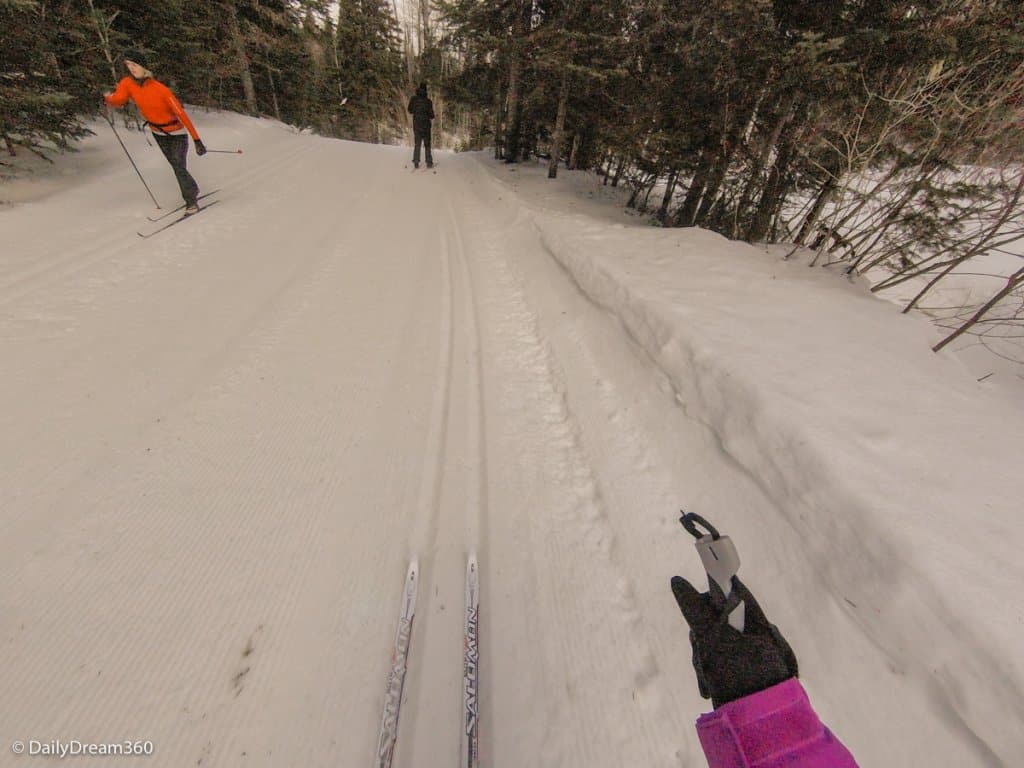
pixel 721 562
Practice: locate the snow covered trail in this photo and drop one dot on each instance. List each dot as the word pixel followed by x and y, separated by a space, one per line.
pixel 239 418
pixel 234 436
pixel 257 418
pixel 219 448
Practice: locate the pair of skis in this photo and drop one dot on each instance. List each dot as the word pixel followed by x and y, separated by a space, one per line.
pixel 470 731
pixel 160 219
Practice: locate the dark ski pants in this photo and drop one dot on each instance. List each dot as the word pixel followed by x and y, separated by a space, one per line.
pixel 424 139
pixel 175 149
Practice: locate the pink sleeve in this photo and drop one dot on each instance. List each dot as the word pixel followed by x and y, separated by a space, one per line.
pixel 774 728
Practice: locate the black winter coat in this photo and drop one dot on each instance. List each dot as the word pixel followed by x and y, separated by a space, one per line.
pixel 422 110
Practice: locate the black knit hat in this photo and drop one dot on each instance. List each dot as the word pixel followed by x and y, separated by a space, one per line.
pixel 136 55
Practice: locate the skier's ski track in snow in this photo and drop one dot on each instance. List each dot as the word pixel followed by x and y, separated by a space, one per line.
pixel 38 278
pixel 474 537
pixel 452 509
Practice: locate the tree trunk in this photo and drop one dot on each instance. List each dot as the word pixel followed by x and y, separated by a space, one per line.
pixel 438 125
pixel 337 62
pixel 730 140
pixel 527 133
pixel 604 167
pixel 686 212
pixel 498 114
pixel 635 195
pixel 556 140
pixel 811 220
pixel 512 121
pixel 426 38
pixel 572 153
pixel 644 206
pixel 775 187
pixel 787 113
pixel 273 93
pixel 618 171
pixel 631 203
pixel 713 184
pixel 243 59
pixel 513 127
pixel 666 199
pixel 103 30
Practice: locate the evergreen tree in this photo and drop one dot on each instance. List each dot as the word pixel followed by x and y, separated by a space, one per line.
pixel 38 111
pixel 371 71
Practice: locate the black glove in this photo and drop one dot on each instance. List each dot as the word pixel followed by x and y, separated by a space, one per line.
pixel 731 664
pixel 200 148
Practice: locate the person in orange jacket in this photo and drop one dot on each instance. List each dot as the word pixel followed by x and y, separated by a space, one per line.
pixel 166 119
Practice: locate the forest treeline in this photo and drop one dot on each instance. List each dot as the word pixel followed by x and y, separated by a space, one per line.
pixel 338 70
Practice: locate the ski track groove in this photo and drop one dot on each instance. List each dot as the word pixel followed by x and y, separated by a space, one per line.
pixel 476 441
pixel 450 514
pixel 429 514
pixel 476 512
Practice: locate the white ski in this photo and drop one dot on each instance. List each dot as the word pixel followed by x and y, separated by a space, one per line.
pixel 396 675
pixel 470 737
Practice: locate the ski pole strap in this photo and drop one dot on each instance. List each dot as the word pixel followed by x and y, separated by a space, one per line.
pixel 690 521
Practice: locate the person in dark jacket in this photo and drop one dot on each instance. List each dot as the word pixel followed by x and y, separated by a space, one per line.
pixel 422 110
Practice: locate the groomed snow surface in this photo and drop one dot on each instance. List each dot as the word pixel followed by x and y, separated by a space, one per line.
pixel 220 447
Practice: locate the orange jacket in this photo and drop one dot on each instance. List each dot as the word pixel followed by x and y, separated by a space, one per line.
pixel 157 104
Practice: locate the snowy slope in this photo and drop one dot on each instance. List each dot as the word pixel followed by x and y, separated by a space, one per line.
pixel 219 448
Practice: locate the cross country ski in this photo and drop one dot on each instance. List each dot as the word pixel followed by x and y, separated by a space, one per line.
pixel 396 674
pixel 470 736
pixel 178 220
pixel 181 207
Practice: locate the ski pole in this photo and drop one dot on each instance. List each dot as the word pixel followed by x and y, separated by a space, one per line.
pixel 721 562
pixel 225 151
pixel 110 122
